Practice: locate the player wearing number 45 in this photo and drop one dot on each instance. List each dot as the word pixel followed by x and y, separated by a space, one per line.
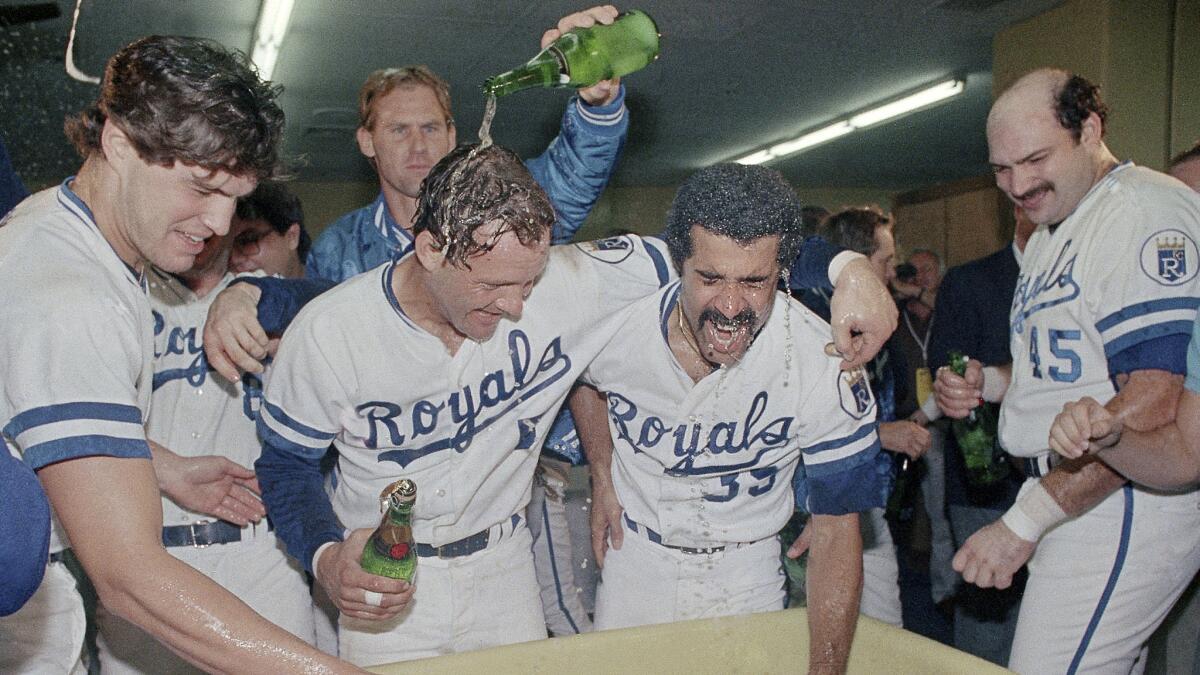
pixel 718 386
pixel 1103 308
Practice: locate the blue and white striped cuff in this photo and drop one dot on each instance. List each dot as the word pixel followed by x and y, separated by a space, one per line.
pixel 53 433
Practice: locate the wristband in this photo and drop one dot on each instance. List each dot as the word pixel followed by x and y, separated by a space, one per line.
pixel 317 556
pixel 1034 512
pixel 994 384
pixel 839 263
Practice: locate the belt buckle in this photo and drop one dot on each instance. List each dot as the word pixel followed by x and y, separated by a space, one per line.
pixel 192 531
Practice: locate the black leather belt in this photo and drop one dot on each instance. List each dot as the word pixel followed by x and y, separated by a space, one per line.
pixel 202 534
pixel 465 546
pixel 657 539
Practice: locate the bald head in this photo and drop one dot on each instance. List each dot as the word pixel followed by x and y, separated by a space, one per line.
pixel 1033 94
pixel 1045 143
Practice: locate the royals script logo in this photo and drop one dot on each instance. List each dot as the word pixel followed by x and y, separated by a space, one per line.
pixel 1049 288
pixel 453 422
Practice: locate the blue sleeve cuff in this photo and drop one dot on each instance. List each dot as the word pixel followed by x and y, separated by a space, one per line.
pixel 282 299
pixel 811 267
pixel 610 119
pixel 1168 353
pixel 293 491
pixel 857 489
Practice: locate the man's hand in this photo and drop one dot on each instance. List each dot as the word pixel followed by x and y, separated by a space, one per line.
pixel 233 338
pixel 904 436
pixel 210 484
pixel 606 519
pixel 802 543
pixel 861 313
pixel 604 91
pixel 958 395
pixel 1084 426
pixel 991 556
pixel 347 584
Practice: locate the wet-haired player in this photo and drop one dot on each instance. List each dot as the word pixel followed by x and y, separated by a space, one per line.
pixel 180 130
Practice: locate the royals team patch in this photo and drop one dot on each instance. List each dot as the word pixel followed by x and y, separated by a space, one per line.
pixel 854 393
pixel 1170 257
pixel 612 250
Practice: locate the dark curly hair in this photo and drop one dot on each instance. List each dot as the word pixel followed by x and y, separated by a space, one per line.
pixel 737 201
pixel 189 100
pixel 1075 101
pixel 469 189
pixel 272 203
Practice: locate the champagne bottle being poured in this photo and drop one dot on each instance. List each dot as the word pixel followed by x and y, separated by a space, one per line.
pixel 584 56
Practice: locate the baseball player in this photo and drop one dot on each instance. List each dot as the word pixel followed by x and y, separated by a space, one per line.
pixel 1103 307
pixel 717 386
pixel 448 375
pixel 406 125
pixel 76 351
pixel 195 415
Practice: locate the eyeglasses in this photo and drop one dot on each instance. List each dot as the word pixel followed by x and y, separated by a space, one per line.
pixel 248 242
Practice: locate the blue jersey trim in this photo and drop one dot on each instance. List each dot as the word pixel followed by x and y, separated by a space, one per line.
pixel 1148 333
pixel 1143 308
pixel 669 300
pixel 660 263
pixel 859 434
pixel 74 447
pixel 66 193
pixel 1114 575
pixel 321 437
pixel 391 297
pixel 864 456
pixel 61 412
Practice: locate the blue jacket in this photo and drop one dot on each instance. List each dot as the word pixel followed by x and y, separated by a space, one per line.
pixel 573 170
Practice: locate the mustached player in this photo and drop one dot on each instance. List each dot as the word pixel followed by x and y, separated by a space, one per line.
pixel 717 387
pixel 1103 308
pixel 446 367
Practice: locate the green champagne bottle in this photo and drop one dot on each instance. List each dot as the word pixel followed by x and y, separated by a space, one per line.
pixel 390 552
pixel 976 435
pixel 584 56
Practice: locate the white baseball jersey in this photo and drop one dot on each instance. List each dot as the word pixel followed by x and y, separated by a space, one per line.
pixel 468 428
pixel 75 350
pixel 711 462
pixel 195 411
pixel 75 338
pixel 1120 271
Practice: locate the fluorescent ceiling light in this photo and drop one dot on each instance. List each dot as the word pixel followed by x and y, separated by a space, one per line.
pixel 870 117
pixel 938 92
pixel 268 34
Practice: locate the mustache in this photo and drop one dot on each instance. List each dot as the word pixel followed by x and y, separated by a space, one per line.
pixel 747 317
pixel 1032 191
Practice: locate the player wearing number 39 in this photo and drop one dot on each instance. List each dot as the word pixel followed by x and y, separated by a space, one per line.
pixel 1103 308
pixel 718 386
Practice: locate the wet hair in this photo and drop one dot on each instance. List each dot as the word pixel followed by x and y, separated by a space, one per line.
pixel 467 190
pixel 275 205
pixel 188 100
pixel 854 228
pixel 737 201
pixel 1185 156
pixel 381 83
pixel 1075 101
